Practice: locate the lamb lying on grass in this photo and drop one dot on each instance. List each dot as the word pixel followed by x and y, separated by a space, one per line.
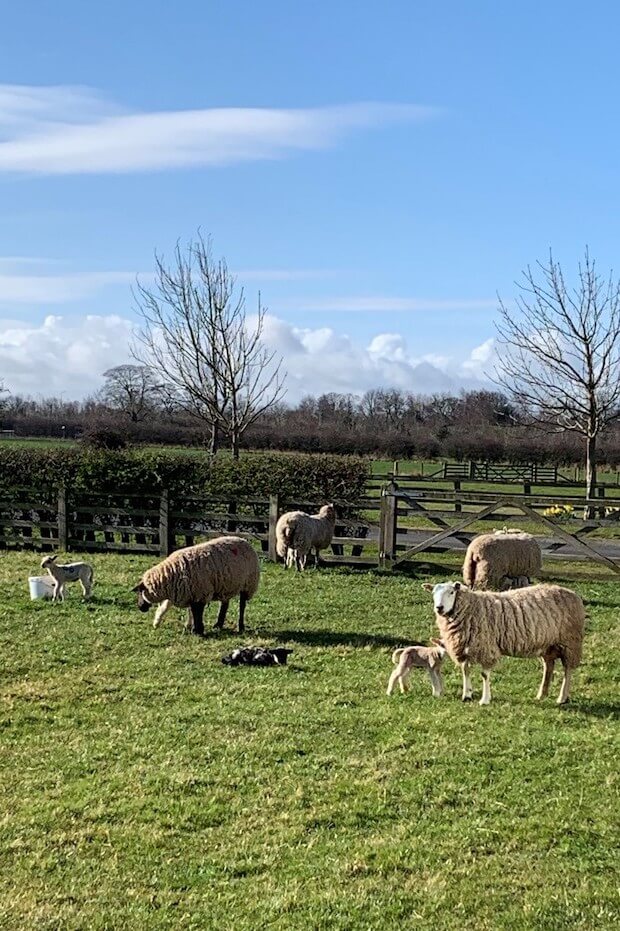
pixel 481 627
pixel 420 657
pixel 80 572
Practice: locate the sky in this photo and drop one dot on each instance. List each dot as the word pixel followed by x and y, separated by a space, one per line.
pixel 379 172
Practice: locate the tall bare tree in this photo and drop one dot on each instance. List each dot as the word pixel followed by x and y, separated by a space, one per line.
pixel 559 353
pixel 197 335
pixel 132 389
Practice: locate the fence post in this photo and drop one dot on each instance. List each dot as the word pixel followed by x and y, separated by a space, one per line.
pixel 472 469
pixel 164 523
pixel 458 507
pixel 274 512
pixel 527 488
pixel 62 519
pixel 600 491
pixel 387 528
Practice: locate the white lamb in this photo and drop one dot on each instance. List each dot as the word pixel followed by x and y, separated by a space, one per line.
pixel 481 627
pixel 80 572
pixel 298 533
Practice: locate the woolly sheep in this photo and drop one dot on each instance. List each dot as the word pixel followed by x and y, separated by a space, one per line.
pixel 298 533
pixel 421 657
pixel 80 572
pixel 493 557
pixel 481 627
pixel 194 576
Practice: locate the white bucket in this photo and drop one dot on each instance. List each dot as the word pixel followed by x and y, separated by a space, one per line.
pixel 41 586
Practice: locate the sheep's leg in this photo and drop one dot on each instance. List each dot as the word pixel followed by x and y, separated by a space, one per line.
pixel 221 615
pixel 196 610
pixel 316 559
pixel 394 678
pixel 159 614
pixel 565 689
pixel 549 662
pixel 86 588
pixel 59 591
pixel 486 687
pixel 467 689
pixel 405 675
pixel 436 682
pixel 243 600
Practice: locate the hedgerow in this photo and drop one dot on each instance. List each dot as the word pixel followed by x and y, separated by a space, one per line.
pixel 138 471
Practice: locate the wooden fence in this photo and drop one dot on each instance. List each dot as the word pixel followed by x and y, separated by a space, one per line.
pixel 383 530
pixel 158 524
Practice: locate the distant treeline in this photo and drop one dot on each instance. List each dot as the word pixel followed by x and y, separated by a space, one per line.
pixel 385 423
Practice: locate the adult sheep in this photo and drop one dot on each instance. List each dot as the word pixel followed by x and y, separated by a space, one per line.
pixel 481 627
pixel 298 533
pixel 494 560
pixel 192 577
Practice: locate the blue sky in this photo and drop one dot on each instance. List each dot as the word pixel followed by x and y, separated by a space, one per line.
pixel 379 171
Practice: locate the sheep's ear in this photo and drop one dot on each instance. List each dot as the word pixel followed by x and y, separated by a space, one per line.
pixel 53 558
pixel 139 587
pixel 427 586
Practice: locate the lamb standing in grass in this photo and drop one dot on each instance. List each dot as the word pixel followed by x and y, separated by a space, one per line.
pixel 492 558
pixel 192 577
pixel 421 657
pixel 481 627
pixel 298 533
pixel 80 572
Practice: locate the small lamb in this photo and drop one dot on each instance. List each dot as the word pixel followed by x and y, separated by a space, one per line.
pixel 70 572
pixel 420 657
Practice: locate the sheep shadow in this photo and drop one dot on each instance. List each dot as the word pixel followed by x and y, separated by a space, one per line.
pixel 596 709
pixel 331 638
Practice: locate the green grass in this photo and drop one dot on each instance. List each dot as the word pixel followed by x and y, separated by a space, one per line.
pixel 146 786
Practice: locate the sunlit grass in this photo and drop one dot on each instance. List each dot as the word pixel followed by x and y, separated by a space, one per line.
pixel 145 785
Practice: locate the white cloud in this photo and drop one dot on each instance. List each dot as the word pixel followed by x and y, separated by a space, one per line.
pixel 66 130
pixel 57 289
pixel 69 355
pixel 59 355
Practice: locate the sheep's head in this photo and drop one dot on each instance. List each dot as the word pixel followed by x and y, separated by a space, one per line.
pixel 48 561
pixel 143 603
pixel 444 596
pixel 328 511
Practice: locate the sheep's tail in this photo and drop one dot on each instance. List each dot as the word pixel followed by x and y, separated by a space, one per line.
pixel 396 655
pixel 469 569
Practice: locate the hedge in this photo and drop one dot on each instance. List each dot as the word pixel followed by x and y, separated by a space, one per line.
pixel 141 472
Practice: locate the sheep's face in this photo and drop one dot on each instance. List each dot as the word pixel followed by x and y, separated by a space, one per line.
pixel 48 561
pixel 143 603
pixel 328 511
pixel 444 596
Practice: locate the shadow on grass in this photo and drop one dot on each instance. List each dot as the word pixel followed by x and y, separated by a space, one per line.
pixel 597 709
pixel 330 638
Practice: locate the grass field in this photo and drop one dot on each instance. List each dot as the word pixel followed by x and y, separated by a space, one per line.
pixel 146 786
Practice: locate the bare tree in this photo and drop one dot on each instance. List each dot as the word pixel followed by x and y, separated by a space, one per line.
pixel 559 354
pixel 197 334
pixel 132 389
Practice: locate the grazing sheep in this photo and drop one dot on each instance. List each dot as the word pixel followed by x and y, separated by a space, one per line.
pixel 421 657
pixel 491 557
pixel 197 575
pixel 298 533
pixel 481 627
pixel 80 572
